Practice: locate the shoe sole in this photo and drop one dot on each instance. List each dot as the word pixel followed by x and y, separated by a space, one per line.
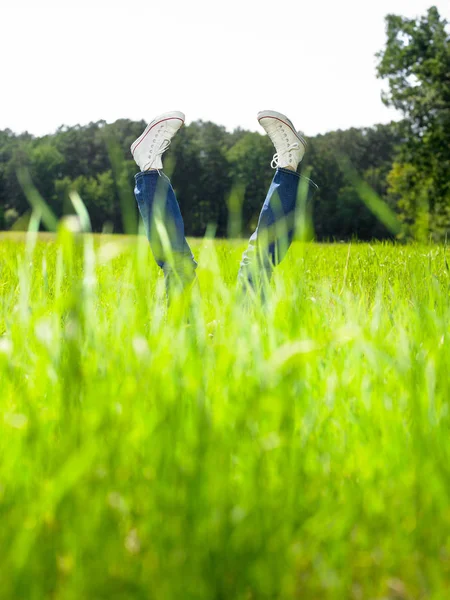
pixel 271 114
pixel 164 117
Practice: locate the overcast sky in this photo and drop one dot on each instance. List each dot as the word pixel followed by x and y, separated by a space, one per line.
pixel 69 63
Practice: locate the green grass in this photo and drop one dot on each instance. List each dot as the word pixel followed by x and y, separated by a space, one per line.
pixel 296 451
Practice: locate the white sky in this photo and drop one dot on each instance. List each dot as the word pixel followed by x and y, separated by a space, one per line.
pixel 75 62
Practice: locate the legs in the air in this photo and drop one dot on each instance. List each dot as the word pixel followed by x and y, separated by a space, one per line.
pixel 276 224
pixel 158 204
pixel 162 217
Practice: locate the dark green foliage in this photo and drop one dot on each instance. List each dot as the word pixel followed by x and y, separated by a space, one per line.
pixel 416 64
pixel 213 171
pixel 201 176
pixel 338 210
pixel 249 158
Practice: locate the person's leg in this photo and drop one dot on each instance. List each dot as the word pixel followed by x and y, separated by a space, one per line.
pixel 273 236
pixel 158 205
pixel 164 227
pixel 276 224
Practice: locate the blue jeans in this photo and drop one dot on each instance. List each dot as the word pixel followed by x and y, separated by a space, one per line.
pixel 267 246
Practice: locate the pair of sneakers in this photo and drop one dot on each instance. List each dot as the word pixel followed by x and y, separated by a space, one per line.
pixel 149 147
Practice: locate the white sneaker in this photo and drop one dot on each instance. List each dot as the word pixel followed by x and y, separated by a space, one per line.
pixel 289 145
pixel 154 141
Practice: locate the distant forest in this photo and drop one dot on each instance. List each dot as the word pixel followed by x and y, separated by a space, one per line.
pixel 208 166
pixel 400 168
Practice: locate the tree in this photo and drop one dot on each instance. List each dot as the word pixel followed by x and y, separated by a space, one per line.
pixel 249 159
pixel 200 176
pixel 45 164
pixel 416 64
pixel 338 211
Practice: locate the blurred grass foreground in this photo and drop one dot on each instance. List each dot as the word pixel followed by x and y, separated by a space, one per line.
pixel 296 450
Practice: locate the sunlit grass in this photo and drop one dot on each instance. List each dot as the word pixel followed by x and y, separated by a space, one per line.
pixel 295 450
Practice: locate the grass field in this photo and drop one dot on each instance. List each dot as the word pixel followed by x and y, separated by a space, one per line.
pixel 300 450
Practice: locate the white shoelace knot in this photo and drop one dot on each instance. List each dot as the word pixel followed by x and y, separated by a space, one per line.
pixel 278 155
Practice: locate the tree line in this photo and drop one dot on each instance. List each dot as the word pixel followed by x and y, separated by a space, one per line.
pixel 217 173
pixel 209 167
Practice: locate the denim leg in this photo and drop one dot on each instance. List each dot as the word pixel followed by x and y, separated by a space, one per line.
pixel 275 230
pixel 164 226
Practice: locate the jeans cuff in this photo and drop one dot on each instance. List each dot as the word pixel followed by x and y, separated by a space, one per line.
pixel 288 171
pixel 146 174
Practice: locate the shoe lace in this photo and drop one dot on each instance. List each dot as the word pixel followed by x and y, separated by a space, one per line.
pixel 277 156
pixel 164 146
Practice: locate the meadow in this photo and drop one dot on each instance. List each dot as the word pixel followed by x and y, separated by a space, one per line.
pixel 296 450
